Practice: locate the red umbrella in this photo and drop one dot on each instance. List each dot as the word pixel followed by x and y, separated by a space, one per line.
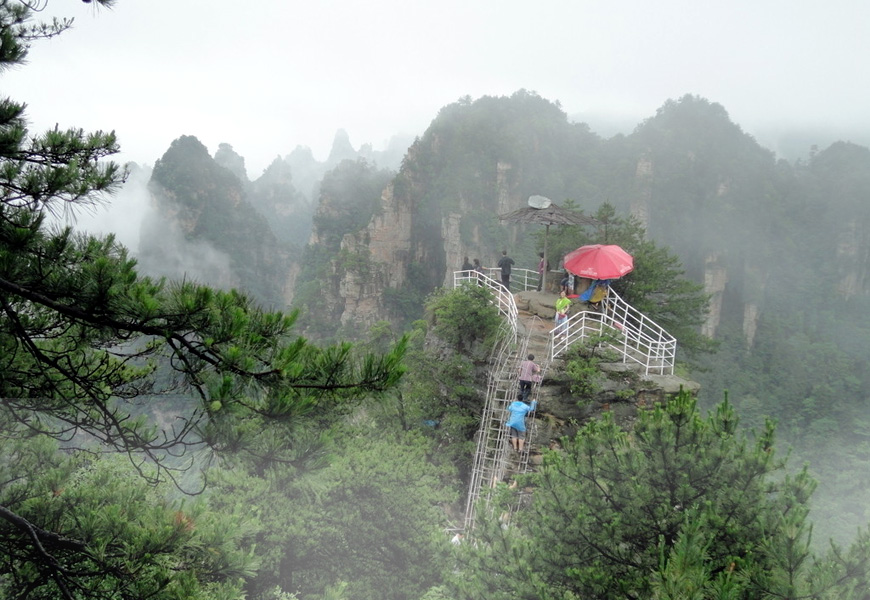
pixel 597 261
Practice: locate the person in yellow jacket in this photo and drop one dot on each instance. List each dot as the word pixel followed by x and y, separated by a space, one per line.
pixel 598 294
pixel 562 305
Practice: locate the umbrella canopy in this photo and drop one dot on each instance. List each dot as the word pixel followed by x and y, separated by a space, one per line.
pixel 542 211
pixel 598 261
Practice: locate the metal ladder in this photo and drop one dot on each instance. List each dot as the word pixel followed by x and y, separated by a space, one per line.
pixel 492 457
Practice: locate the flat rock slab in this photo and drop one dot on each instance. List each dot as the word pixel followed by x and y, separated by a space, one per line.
pixel 543 304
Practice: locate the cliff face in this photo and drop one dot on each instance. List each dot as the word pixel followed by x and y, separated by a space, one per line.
pixel 386 242
pixel 407 246
pixel 475 162
pixel 715 270
pixel 853 256
pixel 288 212
pixel 757 235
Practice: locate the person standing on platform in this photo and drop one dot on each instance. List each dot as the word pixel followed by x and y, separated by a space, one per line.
pixel 562 305
pixel 505 263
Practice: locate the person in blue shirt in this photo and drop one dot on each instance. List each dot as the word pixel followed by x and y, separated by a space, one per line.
pixel 517 422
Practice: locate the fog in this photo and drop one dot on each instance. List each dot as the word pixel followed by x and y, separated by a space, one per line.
pixel 269 78
pixel 122 214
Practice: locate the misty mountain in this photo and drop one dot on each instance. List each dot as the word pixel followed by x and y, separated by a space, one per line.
pixel 229 159
pixel 211 223
pixel 308 171
pixel 289 189
pixel 205 227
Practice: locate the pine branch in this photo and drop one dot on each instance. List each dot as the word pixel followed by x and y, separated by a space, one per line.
pixel 37 536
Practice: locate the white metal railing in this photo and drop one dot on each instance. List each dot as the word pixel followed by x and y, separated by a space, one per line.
pixel 637 338
pixel 503 299
pixel 632 334
pixel 522 280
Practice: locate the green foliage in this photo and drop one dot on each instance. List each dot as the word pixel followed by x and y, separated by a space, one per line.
pixel 356 263
pixel 581 366
pixel 316 275
pixel 406 303
pixel 465 317
pixel 679 506
pixel 403 302
pixel 583 373
pixel 440 396
pixel 368 521
pixel 107 533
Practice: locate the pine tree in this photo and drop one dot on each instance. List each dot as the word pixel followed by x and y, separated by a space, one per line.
pixel 679 507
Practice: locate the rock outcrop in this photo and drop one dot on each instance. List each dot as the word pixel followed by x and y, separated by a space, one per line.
pixel 616 387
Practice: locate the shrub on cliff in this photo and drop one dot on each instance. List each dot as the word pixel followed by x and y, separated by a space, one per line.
pixel 465 318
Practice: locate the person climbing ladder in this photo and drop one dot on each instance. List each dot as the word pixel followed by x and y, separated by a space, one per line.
pixel 528 370
pixel 517 422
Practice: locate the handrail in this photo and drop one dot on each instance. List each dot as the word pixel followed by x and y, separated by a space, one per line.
pixel 491 456
pixel 503 299
pixel 632 334
pixel 544 365
pixel 522 280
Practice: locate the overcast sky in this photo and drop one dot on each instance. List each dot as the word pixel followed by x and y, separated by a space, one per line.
pixel 268 76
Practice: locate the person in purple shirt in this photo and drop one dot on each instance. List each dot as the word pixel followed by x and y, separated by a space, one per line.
pixel 517 422
pixel 528 370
